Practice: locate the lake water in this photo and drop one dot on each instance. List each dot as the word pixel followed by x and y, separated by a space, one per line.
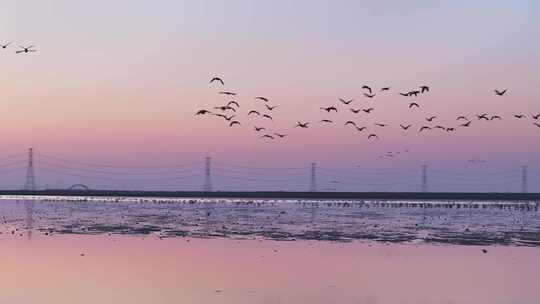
pixel 60 250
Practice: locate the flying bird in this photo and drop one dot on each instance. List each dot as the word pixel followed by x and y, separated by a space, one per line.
pixel 414 104
pixel 450 129
pixel 225 117
pixel 368 110
pixel 26 50
pixel 350 122
pixel 535 117
pixel 269 107
pixel 385 89
pixel 369 95
pixel 360 129
pixel 233 103
pixel 331 108
pixel 225 108
pixel 495 117
pixel 415 93
pixel 467 124
pixel 405 94
pixel 326 120
pixel 4 46
pixel 267 136
pixel 519 116
pixel 424 89
pixel 259 128
pixel 268 116
pixel 380 124
pixel 217 79
pixel 482 116
pixel 440 127
pixel 356 111
pixel 234 122
pixel 536 124
pixel 203 112
pixel 254 112
pixel 424 128
pixel 262 98
pixel 280 135
pixel 346 101
pixel 405 127
pixel 430 119
pixel 370 136
pixel 500 93
pixel 302 125
pixel 367 88
pixel 462 117
pixel 227 93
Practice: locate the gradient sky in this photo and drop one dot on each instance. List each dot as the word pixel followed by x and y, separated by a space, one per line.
pixel 118 82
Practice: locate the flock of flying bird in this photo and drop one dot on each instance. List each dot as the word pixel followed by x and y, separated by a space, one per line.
pixel 21 50
pixel 229 112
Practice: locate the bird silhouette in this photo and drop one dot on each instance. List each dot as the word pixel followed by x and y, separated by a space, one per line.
pixel 405 94
pixel 217 79
pixel 356 110
pixel 25 50
pixel 536 124
pixel 302 125
pixel 414 104
pixel 254 112
pixel 381 124
pixel 440 127
pixel 430 119
pixel 346 101
pixel 495 117
pixel 369 95
pixel 267 136
pixel 234 122
pixel 450 129
pixel 405 127
pixel 385 89
pixel 259 128
pixel 367 88
pixel 467 124
pixel 326 121
pixel 535 117
pixel 482 116
pixel 424 89
pixel 350 122
pixel 370 136
pixel 360 129
pixel 269 107
pixel 280 135
pixel 415 93
pixel 230 103
pixel 500 93
pixel 4 46
pixel 519 116
pixel 228 118
pixel 462 117
pixel 268 116
pixel 262 98
pixel 368 110
pixel 203 112
pixel 331 108
pixel 227 93
pixel 225 108
pixel 424 128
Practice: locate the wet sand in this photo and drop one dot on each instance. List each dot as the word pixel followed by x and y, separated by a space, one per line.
pixel 64 269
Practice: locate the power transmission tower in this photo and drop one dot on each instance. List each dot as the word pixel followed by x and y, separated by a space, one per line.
pixel 424 178
pixel 524 181
pixel 30 177
pixel 313 180
pixel 207 187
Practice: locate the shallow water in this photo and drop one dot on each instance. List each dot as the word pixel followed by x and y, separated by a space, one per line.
pixel 95 250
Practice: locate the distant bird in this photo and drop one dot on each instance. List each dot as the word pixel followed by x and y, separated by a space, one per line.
pixel 484 251
pixel 450 129
pixel 254 112
pixel 414 104
pixel 218 80
pixel 430 119
pixel 356 110
pixel 360 129
pixel 381 125
pixel 536 124
pixel 368 110
pixel 370 136
pixel 262 98
pixel 4 46
pixel 405 94
pixel 268 116
pixel 440 127
pixel 495 117
pixel 302 125
pixel 203 112
pixel 331 108
pixel 259 128
pixel 467 124
pixel 462 117
pixel 350 122
pixel 227 118
pixel 500 93
pixel 233 103
pixel 424 128
pixel 227 93
pixel 234 122
pixel 535 117
pixel 385 89
pixel 346 101
pixel 326 120
pixel 415 93
pixel 25 50
pixel 267 136
pixel 369 95
pixel 367 88
pixel 280 135
pixel 482 116
pixel 424 89
pixel 405 127
pixel 269 107
pixel 519 116
pixel 225 108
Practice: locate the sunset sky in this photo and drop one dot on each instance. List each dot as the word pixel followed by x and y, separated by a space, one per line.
pixel 118 82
